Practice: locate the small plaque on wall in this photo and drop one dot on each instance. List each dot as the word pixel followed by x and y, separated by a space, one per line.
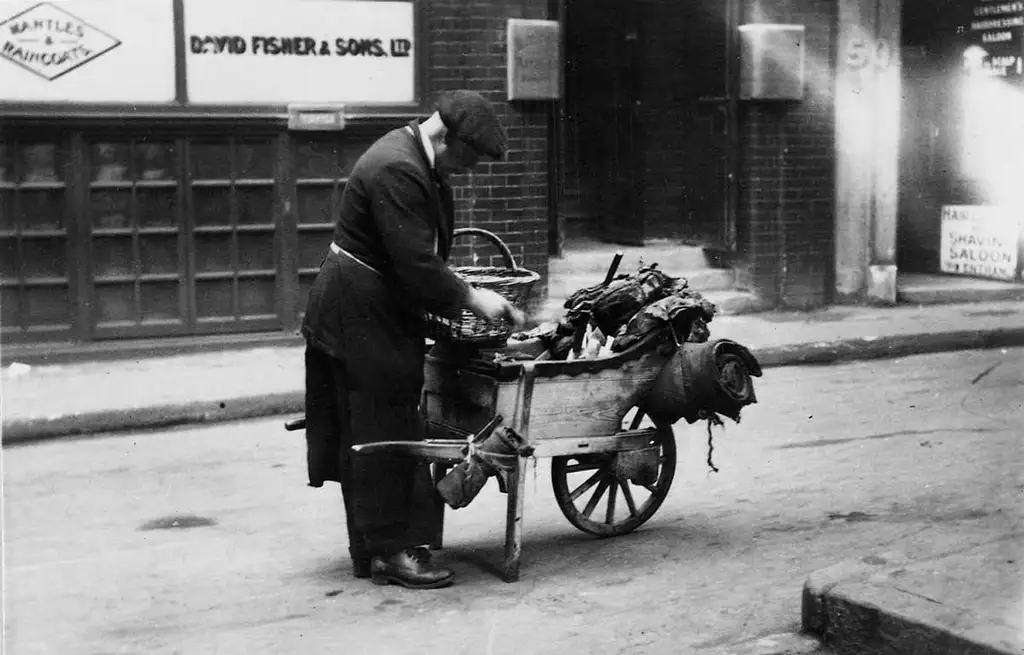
pixel 534 59
pixel 318 118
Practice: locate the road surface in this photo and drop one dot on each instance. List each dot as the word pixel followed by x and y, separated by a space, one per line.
pixel 921 454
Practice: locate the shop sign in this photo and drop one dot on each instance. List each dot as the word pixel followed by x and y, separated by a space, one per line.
pixel 979 241
pixel 994 46
pixel 301 51
pixel 96 51
pixel 534 59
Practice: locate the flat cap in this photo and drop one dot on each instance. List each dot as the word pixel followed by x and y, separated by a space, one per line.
pixel 471 118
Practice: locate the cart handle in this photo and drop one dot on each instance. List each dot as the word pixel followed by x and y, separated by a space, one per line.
pixel 441 449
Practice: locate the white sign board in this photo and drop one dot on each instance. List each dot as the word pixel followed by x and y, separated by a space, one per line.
pixel 300 51
pixel 89 51
pixel 979 241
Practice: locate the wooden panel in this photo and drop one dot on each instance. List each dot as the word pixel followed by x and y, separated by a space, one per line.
pixel 566 401
pixel 134 228
pixel 581 405
pixel 461 399
pixel 35 268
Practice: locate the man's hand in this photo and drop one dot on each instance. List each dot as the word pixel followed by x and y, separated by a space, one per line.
pixel 492 306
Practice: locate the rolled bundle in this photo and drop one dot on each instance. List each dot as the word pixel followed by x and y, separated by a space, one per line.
pixel 701 379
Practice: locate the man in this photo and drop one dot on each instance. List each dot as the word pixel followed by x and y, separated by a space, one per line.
pixel 365 347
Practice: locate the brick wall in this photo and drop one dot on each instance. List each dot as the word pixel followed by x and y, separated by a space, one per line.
pixel 786 225
pixel 467 50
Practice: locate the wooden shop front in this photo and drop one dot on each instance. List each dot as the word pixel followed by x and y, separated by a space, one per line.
pixel 172 167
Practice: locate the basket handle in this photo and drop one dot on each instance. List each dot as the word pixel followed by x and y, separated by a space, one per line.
pixel 506 254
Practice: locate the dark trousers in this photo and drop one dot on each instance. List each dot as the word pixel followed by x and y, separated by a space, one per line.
pixel 390 503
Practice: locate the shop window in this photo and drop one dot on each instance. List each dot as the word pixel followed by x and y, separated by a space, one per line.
pixel 322 163
pixel 6 166
pixel 233 200
pixel 34 276
pixel 41 163
pixel 139 278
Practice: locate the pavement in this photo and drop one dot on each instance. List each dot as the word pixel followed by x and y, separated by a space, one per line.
pixel 889 602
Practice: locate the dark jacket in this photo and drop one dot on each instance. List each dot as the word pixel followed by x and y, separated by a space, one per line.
pixel 396 219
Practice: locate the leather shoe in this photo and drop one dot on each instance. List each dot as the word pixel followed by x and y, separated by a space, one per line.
pixel 361 567
pixel 411 569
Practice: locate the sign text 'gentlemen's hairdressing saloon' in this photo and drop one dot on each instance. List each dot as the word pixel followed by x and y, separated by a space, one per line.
pixel 310 51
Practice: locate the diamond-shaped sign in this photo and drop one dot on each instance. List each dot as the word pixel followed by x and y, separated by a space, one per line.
pixel 50 42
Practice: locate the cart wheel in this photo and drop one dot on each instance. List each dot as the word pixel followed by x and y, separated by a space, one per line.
pixel 575 475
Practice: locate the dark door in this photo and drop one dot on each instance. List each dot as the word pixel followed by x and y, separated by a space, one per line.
pixel 620 128
pixel 603 171
pixel 707 214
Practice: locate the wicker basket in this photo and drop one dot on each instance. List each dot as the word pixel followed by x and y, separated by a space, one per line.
pixel 511 282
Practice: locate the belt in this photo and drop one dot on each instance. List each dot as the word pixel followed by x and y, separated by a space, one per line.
pixel 338 250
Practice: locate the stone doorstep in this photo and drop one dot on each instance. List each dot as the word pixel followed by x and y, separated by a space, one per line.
pixel 728 302
pixel 562 286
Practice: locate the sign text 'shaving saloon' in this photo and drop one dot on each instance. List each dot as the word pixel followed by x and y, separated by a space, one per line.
pixel 301 51
pixel 87 51
pixel 979 241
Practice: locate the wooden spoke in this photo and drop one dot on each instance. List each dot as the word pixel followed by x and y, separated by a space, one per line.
pixel 653 488
pixel 637 419
pixel 582 489
pixel 628 495
pixel 596 498
pixel 609 517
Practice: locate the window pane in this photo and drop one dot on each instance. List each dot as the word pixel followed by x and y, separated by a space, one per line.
pixel 256 297
pixel 351 151
pixel 312 248
pixel 47 306
pixel 211 160
pixel 213 253
pixel 212 206
pixel 6 164
pixel 115 302
pixel 255 160
pixel 154 161
pixel 158 254
pixel 214 298
pixel 10 312
pixel 44 257
pixel 10 260
pixel 256 252
pixel 113 256
pixel 41 162
pixel 317 158
pixel 110 162
pixel 157 207
pixel 255 206
pixel 111 209
pixel 160 300
pixel 7 221
pixel 42 210
pixel 315 206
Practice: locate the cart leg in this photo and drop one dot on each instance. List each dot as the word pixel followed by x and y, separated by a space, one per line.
pixel 514 521
pixel 437 472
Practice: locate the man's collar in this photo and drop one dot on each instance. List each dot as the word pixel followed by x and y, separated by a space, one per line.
pixel 428 147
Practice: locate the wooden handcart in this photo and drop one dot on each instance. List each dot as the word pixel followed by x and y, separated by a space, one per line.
pixel 611 465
